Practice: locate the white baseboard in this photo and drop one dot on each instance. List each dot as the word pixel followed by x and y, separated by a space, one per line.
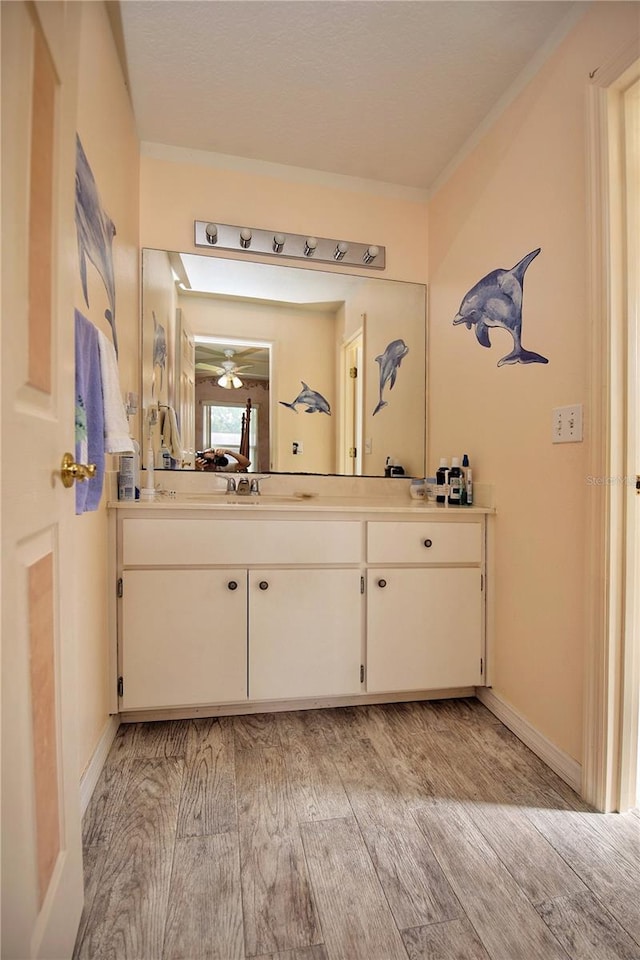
pixel 92 772
pixel 560 762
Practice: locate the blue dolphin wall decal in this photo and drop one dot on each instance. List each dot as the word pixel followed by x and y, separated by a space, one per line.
pixel 389 362
pixel 95 235
pixel 496 301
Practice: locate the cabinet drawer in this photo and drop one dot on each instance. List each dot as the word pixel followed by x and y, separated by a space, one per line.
pixel 424 542
pixel 203 542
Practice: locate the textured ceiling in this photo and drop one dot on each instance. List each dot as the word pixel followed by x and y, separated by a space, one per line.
pixel 387 90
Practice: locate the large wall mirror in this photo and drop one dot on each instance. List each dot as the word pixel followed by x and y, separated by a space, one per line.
pixel 334 365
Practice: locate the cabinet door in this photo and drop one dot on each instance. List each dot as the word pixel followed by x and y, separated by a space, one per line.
pixel 304 633
pixel 184 637
pixel 424 629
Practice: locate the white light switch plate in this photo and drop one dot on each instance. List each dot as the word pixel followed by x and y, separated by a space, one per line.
pixel 566 425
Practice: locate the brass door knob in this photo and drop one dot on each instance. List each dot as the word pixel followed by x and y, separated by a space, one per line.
pixel 70 470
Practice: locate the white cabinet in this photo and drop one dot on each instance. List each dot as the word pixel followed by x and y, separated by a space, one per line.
pixel 228 610
pixel 198 633
pixel 424 629
pixel 184 637
pixel 425 614
pixel 304 633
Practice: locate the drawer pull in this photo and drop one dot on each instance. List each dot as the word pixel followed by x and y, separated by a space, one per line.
pixel 382 583
pixel 428 543
pixel 232 585
pixel 263 585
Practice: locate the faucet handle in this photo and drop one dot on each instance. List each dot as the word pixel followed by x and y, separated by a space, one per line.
pixel 255 486
pixel 231 484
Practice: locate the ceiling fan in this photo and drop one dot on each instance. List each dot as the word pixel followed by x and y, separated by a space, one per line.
pixel 228 369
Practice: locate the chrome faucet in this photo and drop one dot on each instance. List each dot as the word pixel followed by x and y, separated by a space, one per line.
pixel 243 488
pixel 231 484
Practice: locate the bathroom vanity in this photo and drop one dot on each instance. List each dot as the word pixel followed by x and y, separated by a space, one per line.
pixel 229 604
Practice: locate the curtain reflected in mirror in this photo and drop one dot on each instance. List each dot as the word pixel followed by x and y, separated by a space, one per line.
pixel 327 369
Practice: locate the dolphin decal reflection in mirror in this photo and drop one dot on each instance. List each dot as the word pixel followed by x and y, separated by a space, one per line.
pixel 95 235
pixel 389 362
pixel 313 401
pixel 496 301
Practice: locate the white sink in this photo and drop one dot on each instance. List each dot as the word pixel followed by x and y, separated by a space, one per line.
pixel 221 499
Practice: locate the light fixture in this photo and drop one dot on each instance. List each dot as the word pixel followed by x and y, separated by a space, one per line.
pixel 263 242
pixel 229 381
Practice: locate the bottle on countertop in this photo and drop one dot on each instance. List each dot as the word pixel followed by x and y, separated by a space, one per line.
pixel 387 467
pixel 136 468
pixel 164 458
pixel 455 483
pixel 442 479
pixel 126 472
pixel 468 482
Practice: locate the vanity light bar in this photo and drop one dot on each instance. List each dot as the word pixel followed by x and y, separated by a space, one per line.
pixel 226 236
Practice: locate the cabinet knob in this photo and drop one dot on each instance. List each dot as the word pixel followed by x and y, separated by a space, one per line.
pixel 232 585
pixel 263 585
pixel 382 583
pixel 428 543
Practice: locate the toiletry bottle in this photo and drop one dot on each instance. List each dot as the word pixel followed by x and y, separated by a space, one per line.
pixel 164 458
pixel 455 483
pixel 442 478
pixel 126 488
pixel 417 490
pixel 136 468
pixel 465 467
pixel 387 467
pixel 468 483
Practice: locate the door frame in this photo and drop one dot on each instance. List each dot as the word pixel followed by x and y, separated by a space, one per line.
pixel 610 671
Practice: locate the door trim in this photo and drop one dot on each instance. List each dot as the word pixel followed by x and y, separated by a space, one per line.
pixel 603 700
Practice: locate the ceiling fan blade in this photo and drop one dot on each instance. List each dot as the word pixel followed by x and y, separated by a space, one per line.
pixel 209 366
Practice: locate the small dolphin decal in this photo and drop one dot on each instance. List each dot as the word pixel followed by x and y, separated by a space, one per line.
pixel 314 401
pixel 496 301
pixel 159 353
pixel 389 362
pixel 95 235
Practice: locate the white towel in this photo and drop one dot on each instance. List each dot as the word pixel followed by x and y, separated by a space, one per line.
pixel 116 427
pixel 170 433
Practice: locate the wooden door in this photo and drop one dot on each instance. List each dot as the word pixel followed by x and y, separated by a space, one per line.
pixel 183 637
pixel 305 631
pixel 41 886
pixel 424 628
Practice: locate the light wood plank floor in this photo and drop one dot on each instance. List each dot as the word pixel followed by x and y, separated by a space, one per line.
pixel 418 831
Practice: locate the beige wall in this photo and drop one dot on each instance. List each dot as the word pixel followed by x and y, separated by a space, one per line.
pixel 523 187
pixel 174 194
pixel 106 129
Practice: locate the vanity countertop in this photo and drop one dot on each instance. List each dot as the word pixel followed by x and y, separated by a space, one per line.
pixel 295 504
